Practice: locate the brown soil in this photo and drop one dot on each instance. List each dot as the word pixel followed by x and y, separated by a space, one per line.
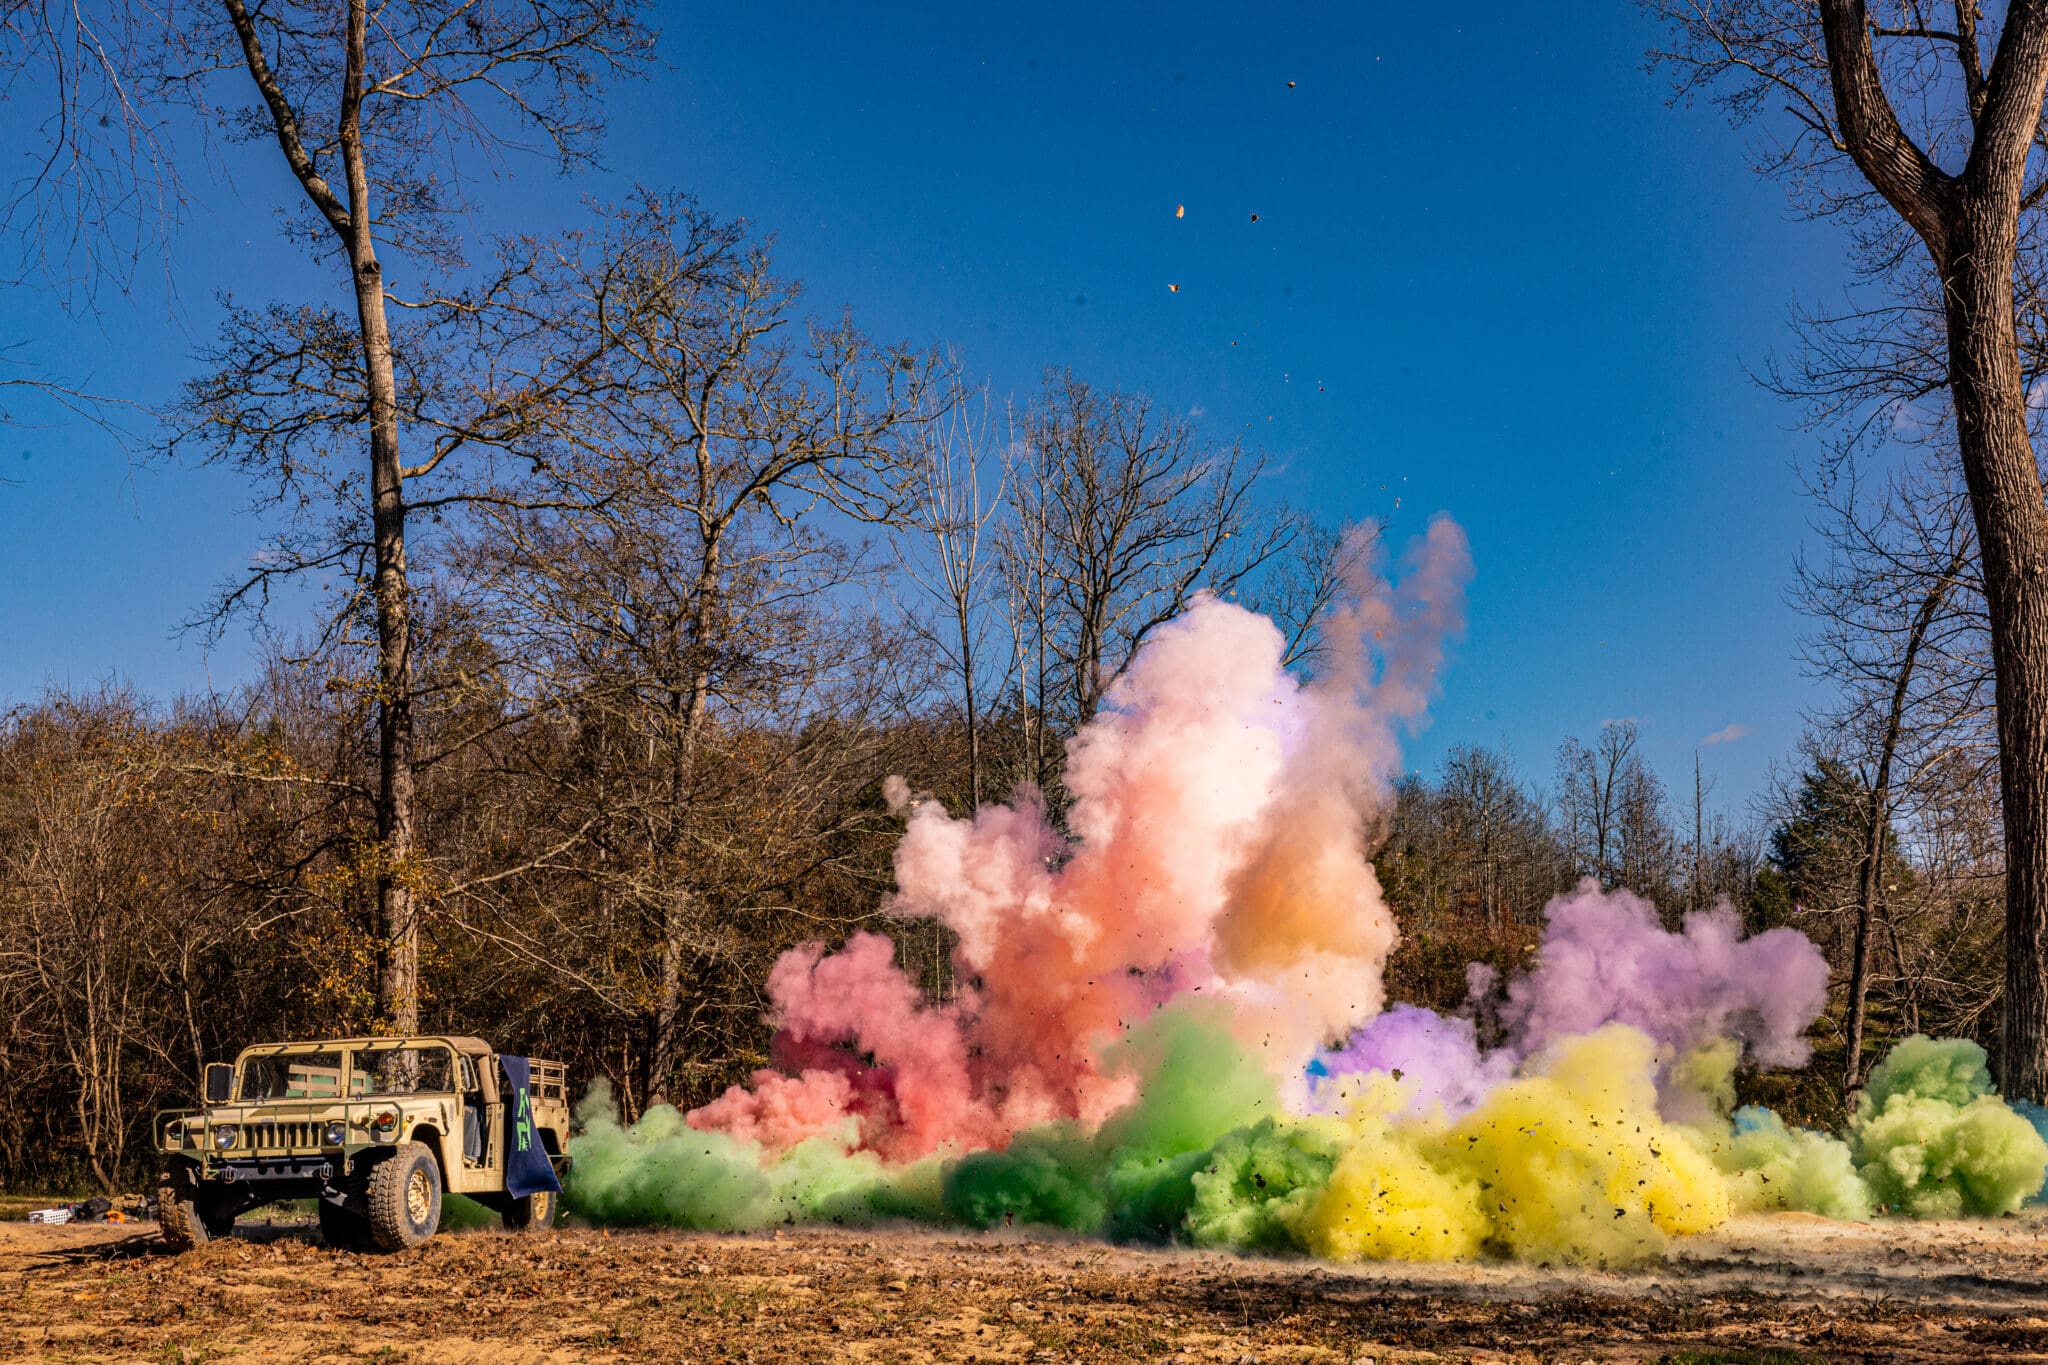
pixel 1780 1289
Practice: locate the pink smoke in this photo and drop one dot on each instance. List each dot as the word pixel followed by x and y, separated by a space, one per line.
pixel 1221 823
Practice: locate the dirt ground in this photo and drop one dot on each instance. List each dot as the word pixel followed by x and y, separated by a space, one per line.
pixel 1780 1289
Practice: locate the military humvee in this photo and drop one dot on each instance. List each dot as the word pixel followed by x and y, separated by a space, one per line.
pixel 376 1129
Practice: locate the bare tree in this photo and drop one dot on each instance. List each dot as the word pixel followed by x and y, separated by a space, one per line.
pixel 1920 135
pixel 948 515
pixel 370 116
pixel 1898 632
pixel 1302 580
pixel 1124 515
pixel 1592 783
pixel 100 187
pixel 1498 829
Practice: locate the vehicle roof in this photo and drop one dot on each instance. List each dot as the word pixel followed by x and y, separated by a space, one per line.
pixel 467 1046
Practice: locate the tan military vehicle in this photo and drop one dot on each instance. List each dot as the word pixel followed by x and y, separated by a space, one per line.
pixel 376 1129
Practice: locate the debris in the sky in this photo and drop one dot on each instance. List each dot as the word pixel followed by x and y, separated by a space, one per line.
pixel 1174 287
pixel 1255 218
pixel 1180 210
pixel 1290 85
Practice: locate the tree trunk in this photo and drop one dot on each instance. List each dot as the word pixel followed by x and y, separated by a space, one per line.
pixel 397 896
pixel 1970 223
pixel 2012 534
pixel 1907 985
pixel 973 715
pixel 1699 835
pixel 668 1001
pixel 1878 825
pixel 690 708
pixel 398 929
pixel 353 222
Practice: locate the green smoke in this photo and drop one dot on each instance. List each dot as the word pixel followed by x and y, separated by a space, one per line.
pixel 1049 1176
pixel 1252 1189
pixel 1133 1177
pixel 1196 1083
pixel 1776 1166
pixel 662 1171
pixel 460 1213
pixel 1932 1139
pixel 1201 1156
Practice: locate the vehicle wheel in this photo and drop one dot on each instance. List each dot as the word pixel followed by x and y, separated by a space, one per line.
pixel 179 1220
pixel 405 1198
pixel 342 1228
pixel 534 1212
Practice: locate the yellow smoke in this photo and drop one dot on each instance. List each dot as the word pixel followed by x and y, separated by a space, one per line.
pixel 1569 1162
pixel 1385 1201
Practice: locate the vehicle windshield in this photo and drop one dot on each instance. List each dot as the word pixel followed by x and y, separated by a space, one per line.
pixel 296 1076
pixel 422 1069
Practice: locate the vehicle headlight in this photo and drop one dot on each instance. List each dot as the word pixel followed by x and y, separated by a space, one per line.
pixel 226 1135
pixel 384 1127
pixel 337 1133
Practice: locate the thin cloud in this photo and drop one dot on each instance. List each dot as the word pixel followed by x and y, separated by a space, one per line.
pixel 1727 734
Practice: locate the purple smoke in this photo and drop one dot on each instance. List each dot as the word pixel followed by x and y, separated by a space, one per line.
pixel 1604 959
pixel 1437 1059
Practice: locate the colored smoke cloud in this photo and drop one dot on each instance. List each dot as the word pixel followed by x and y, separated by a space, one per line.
pixel 1436 1060
pixel 1171 1026
pixel 1603 959
pixel 1218 845
pixel 1932 1139
pixel 1606 959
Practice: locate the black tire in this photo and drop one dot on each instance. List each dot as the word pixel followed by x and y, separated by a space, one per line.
pixel 219 1223
pixel 177 1218
pixel 405 1198
pixel 534 1212
pixel 343 1228
pixel 184 1218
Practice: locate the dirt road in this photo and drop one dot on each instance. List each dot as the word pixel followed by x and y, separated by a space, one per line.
pixel 1780 1289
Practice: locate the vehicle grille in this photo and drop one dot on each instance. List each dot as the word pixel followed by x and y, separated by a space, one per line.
pixel 282 1136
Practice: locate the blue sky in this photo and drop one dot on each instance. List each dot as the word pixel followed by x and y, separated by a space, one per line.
pixel 1492 274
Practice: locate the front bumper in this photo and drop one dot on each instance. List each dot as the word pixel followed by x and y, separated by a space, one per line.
pixel 324 1167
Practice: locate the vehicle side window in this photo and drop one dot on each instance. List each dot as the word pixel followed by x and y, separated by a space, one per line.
pixel 403 1071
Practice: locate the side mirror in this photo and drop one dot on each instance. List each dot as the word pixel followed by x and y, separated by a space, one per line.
pixel 220 1083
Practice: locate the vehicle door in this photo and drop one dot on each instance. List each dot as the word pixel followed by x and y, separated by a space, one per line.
pixel 483 1114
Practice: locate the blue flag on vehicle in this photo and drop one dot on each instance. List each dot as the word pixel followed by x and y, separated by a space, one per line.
pixel 527 1168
